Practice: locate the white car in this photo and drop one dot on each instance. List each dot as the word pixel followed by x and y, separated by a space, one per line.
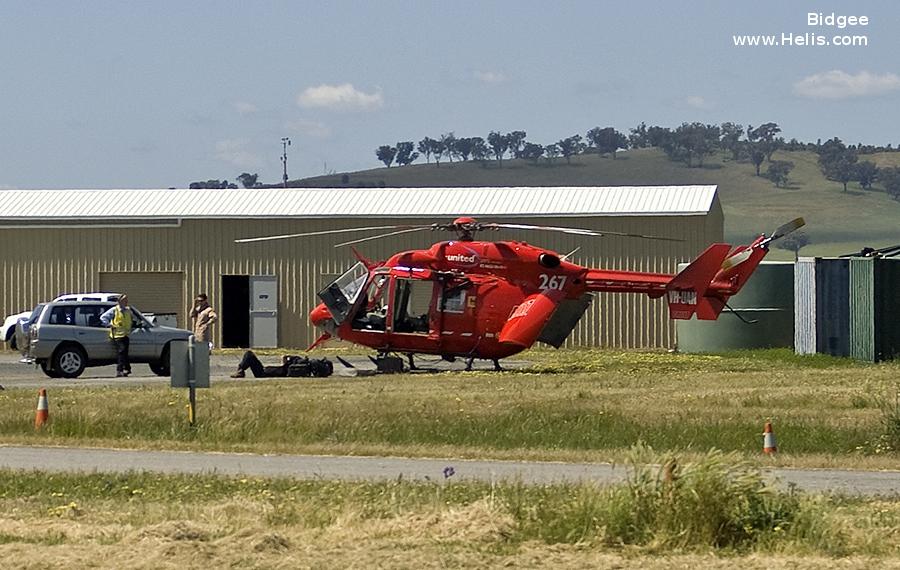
pixel 8 330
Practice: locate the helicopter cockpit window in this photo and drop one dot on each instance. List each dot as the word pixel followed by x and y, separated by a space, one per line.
pixel 372 314
pixel 341 294
pixel 411 301
pixel 453 300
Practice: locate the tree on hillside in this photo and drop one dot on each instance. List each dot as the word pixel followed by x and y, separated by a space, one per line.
pixel 837 162
pixel 463 147
pixel 890 179
pixel 426 147
pixel 212 185
pixel 730 139
pixel 405 153
pixel 794 242
pixel 514 141
pixel 692 141
pixel 571 146
pixel 658 136
pixel 448 145
pixel 248 180
pixel 386 154
pixel 480 150
pixel 778 171
pixel 762 142
pixel 638 137
pixel 437 150
pixel 552 151
pixel 532 151
pixel 866 173
pixel 499 143
pixel 606 140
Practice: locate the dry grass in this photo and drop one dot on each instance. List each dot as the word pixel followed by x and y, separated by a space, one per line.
pixel 228 529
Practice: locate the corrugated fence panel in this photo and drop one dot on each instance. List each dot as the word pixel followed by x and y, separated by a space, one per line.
pixel 833 306
pixel 805 306
pixel 887 309
pixel 862 309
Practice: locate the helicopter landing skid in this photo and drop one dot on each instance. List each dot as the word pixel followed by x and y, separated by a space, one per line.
pixel 386 364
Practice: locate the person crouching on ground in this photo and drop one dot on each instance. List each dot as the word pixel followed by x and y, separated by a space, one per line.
pixel 119 321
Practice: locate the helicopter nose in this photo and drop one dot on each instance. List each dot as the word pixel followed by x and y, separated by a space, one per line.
pixel 320 315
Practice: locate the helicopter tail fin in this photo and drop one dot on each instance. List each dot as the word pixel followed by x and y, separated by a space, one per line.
pixel 686 292
pixel 704 287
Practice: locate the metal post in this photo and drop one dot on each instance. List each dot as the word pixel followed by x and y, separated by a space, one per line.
pixel 285 142
pixel 192 384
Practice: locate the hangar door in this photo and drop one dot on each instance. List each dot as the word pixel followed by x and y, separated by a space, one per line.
pixel 149 291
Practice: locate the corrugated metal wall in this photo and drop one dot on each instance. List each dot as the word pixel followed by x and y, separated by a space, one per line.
pixel 805 306
pixel 38 264
pixel 833 306
pixel 887 309
pixel 862 309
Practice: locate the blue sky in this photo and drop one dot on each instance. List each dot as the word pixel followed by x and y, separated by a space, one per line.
pixel 158 94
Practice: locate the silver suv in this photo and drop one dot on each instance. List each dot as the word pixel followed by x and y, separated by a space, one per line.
pixel 67 336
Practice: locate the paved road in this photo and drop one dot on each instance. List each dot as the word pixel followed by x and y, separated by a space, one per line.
pixel 14 374
pixel 392 468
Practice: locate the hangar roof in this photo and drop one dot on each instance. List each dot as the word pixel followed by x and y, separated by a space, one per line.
pixel 153 204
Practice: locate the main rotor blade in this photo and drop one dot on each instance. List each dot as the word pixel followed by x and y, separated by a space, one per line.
pixel 787 228
pixel 784 230
pixel 324 232
pixel 578 231
pixel 379 236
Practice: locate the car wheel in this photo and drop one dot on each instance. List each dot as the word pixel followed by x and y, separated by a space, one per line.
pixel 45 366
pixel 69 361
pixel 161 367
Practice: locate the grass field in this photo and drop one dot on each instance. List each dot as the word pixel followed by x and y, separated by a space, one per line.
pixel 643 408
pixel 585 405
pixel 837 222
pixel 712 513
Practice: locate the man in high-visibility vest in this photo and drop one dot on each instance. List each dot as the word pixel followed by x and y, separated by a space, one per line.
pixel 119 321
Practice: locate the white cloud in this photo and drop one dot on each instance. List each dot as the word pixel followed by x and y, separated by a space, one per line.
pixel 234 151
pixel 343 97
pixel 310 128
pixel 696 101
pixel 838 84
pixel 245 108
pixel 492 77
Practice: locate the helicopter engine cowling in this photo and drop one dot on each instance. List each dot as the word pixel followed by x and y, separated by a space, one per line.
pixel 528 319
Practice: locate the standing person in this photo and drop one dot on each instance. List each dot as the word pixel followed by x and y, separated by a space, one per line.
pixel 203 316
pixel 119 321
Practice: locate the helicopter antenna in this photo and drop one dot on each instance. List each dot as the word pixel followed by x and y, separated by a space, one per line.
pixel 570 254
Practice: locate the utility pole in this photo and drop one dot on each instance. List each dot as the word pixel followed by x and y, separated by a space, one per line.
pixel 285 142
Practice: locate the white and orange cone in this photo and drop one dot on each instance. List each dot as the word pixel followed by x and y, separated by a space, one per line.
pixel 42 415
pixel 769 444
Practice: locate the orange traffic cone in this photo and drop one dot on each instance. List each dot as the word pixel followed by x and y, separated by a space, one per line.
pixel 42 415
pixel 769 443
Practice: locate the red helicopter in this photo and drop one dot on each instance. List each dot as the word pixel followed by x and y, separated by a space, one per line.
pixel 490 300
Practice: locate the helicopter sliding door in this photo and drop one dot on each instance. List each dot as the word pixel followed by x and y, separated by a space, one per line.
pixel 411 306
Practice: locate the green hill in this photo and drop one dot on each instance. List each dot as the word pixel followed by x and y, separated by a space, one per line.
pixel 837 222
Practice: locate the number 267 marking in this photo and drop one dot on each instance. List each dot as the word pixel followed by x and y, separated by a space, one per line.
pixel 554 282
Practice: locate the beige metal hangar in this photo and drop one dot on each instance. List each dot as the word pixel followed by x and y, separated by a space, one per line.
pixel 165 246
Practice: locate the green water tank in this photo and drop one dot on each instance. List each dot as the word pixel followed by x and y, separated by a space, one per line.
pixel 766 302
